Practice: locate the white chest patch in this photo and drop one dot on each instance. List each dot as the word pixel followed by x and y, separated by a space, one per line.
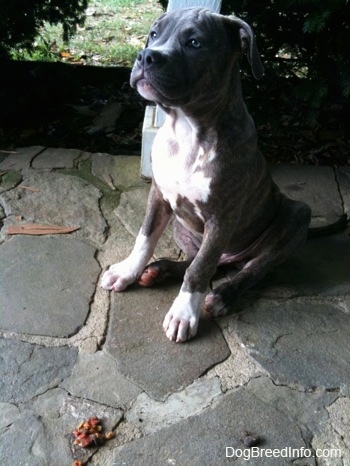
pixel 177 169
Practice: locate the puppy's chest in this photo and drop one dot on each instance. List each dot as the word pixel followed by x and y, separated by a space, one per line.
pixel 180 172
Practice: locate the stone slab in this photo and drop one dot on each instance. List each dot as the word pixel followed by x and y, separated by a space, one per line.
pixel 46 285
pixel 27 370
pixel 132 207
pixel 298 342
pixel 26 432
pixel 56 158
pixel 339 413
pixel 9 413
pixel 202 439
pixel 150 416
pixel 145 356
pixel 316 186
pixel 58 199
pixel 9 180
pixel 96 377
pixel 21 158
pixel 308 409
pixel 335 435
pixel 119 172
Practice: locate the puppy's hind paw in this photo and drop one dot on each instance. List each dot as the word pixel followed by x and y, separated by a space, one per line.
pixel 214 305
pixel 156 273
pixel 149 276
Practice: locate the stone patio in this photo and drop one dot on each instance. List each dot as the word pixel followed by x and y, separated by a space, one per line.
pixel 277 366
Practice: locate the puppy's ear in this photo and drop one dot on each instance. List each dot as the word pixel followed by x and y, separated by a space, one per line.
pixel 248 45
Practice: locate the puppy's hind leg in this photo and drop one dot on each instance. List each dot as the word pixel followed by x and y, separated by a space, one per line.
pixel 159 271
pixel 283 238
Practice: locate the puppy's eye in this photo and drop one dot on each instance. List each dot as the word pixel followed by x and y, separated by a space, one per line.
pixel 194 43
pixel 153 34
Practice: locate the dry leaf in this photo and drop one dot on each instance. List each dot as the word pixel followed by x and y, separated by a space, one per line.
pixel 30 188
pixel 66 54
pixel 37 229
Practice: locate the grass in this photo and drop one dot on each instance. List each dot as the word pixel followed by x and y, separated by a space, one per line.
pixel 113 32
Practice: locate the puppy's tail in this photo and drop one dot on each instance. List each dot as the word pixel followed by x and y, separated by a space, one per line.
pixel 336 227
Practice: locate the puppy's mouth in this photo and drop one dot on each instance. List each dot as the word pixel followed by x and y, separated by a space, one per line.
pixel 147 90
pixel 156 89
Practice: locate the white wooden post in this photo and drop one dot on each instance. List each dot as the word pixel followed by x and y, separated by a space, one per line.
pixel 154 116
pixel 214 5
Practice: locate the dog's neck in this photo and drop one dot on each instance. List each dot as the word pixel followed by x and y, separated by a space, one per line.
pixel 204 111
pixel 204 115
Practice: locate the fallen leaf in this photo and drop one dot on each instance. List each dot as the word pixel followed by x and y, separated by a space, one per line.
pixel 66 54
pixel 30 188
pixel 37 229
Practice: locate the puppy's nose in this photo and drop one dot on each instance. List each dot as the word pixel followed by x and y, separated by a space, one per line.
pixel 148 57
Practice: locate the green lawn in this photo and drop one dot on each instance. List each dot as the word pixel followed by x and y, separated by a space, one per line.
pixel 113 32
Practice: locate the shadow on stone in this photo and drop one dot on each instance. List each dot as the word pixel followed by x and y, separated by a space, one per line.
pixel 321 268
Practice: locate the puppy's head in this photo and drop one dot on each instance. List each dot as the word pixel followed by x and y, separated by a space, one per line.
pixel 190 53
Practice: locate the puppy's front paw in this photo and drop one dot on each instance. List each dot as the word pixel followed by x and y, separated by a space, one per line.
pixel 118 277
pixel 181 322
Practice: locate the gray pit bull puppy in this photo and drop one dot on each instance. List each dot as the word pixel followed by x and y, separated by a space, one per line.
pixel 207 170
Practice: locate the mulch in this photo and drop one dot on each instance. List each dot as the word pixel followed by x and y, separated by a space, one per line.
pixel 95 110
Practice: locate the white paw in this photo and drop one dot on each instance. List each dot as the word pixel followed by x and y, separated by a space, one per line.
pixel 119 276
pixel 181 322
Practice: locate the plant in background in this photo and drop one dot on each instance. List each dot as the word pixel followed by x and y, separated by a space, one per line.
pixel 110 36
pixel 305 41
pixel 20 20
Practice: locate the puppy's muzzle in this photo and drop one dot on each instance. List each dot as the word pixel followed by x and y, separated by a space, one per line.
pixel 158 77
pixel 149 58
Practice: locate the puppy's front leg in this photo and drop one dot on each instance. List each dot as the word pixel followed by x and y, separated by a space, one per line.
pixel 124 273
pixel 181 321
